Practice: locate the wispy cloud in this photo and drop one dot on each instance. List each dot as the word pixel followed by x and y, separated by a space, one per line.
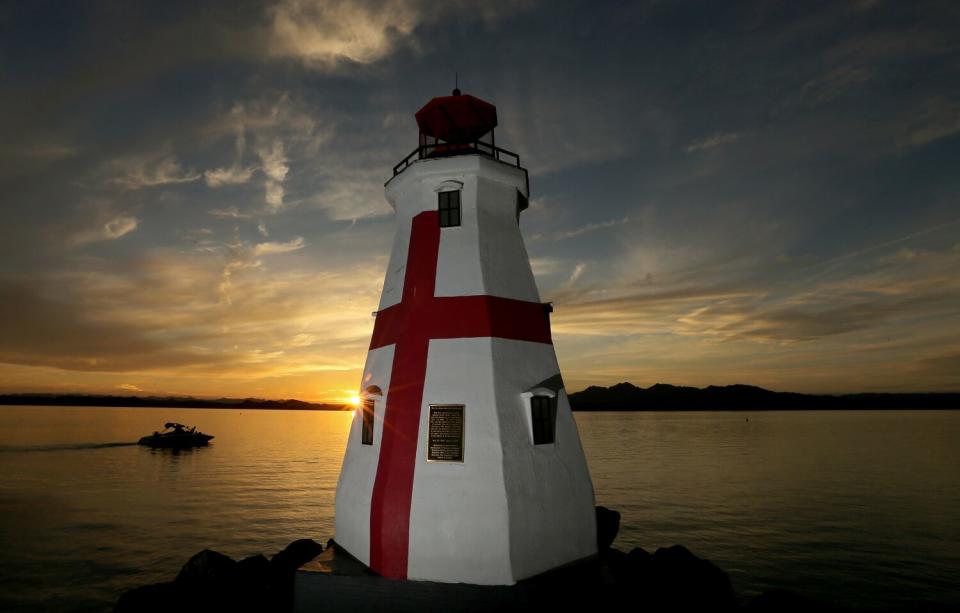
pixel 229 213
pixel 895 289
pixel 575 275
pixel 590 227
pixel 713 141
pixel 136 172
pixel 274 247
pixel 242 255
pixel 47 151
pixel 938 118
pixel 276 168
pixel 111 229
pixel 233 175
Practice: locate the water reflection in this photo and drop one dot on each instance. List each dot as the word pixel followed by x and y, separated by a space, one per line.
pixel 854 507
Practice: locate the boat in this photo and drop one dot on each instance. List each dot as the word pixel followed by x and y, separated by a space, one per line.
pixel 176 436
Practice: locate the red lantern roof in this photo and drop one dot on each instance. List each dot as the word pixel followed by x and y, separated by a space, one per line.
pixel 459 118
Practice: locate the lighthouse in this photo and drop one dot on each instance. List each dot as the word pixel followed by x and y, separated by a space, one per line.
pixel 463 462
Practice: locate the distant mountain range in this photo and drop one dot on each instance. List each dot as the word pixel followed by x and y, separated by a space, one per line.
pixel 619 397
pixel 183 402
pixel 664 397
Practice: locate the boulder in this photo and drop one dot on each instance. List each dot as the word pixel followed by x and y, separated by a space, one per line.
pixel 254 569
pixel 295 555
pixel 678 579
pixel 613 566
pixel 608 524
pixel 208 566
pixel 283 568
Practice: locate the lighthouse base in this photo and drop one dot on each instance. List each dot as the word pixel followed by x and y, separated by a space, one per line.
pixel 335 581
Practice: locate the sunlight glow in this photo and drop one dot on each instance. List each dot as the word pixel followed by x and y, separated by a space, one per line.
pixel 354 401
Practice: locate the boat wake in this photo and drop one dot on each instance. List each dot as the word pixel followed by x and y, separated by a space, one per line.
pixel 61 447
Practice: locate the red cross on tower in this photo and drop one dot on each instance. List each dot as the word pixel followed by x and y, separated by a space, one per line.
pixel 410 325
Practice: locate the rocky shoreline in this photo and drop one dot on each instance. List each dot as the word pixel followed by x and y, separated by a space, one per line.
pixel 671 578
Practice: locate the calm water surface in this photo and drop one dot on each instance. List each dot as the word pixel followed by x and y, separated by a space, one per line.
pixel 861 508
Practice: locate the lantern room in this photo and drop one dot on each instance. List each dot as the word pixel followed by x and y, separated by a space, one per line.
pixel 455 123
pixel 458 124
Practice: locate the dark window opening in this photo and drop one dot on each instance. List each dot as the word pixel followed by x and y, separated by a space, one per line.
pixel 449 209
pixel 543 411
pixel 366 436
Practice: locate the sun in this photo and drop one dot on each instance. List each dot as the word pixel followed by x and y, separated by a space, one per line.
pixel 354 401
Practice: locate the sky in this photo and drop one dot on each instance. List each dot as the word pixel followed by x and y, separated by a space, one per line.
pixel 191 194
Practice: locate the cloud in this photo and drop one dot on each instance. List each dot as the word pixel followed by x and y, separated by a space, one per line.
pixel 713 141
pixel 891 291
pixel 119 226
pixel 41 330
pixel 229 213
pixel 273 194
pixel 303 340
pixel 111 229
pixel 135 173
pixel 262 229
pixel 325 32
pixel 233 175
pixel 349 195
pixel 243 255
pixel 274 161
pixel 129 387
pixel 586 229
pixel 835 83
pixel 575 275
pixel 276 168
pixel 47 151
pixel 936 119
pixel 159 315
pixel 294 244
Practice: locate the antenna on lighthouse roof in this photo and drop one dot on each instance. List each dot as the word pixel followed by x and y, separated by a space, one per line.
pixel 456 84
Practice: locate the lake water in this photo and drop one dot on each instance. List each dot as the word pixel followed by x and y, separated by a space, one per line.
pixel 860 508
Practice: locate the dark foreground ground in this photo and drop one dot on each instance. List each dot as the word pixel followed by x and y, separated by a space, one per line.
pixel 670 579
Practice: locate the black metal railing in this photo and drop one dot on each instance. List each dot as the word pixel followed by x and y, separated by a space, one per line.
pixel 440 150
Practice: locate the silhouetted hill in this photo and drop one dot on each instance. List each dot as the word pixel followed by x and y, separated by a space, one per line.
pixel 664 397
pixel 619 397
pixel 183 402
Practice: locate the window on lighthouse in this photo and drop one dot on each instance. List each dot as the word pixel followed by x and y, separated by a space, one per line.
pixel 366 435
pixel 543 411
pixel 449 203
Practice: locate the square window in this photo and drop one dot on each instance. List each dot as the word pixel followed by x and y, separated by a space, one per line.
pixel 543 413
pixel 366 435
pixel 449 207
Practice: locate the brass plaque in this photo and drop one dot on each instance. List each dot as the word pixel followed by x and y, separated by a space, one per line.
pixel 445 439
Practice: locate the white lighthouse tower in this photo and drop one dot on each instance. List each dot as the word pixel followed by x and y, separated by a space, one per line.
pixel 463 463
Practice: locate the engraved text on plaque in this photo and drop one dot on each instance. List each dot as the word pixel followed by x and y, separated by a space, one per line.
pixel 445 439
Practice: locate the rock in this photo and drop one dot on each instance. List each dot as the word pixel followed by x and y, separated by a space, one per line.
pixel 295 555
pixel 613 566
pixel 208 566
pixel 608 524
pixel 283 567
pixel 639 558
pixel 253 569
pixel 678 579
